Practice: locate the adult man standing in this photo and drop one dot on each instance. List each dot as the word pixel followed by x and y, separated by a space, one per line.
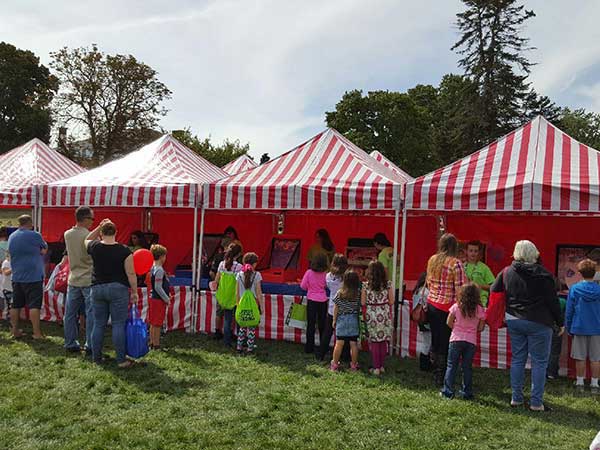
pixel 80 281
pixel 477 271
pixel 26 248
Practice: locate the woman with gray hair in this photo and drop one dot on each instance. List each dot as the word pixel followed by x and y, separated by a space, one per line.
pixel 532 308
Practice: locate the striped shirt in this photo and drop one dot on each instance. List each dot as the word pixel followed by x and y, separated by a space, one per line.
pixel 443 288
pixel 347 306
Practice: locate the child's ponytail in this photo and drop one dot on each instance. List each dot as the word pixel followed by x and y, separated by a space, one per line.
pixel 249 260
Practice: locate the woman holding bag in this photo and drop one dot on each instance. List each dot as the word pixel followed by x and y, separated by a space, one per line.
pixel 112 277
pixel 532 308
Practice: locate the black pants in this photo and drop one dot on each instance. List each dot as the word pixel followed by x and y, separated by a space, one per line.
pixel 554 360
pixel 316 316
pixel 440 339
pixel 325 338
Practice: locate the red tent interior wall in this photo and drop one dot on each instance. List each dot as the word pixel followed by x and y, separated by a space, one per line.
pixel 501 232
pixel 56 220
pixel 255 230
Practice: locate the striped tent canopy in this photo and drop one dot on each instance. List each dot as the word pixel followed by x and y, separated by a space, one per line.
pixel 534 168
pixel 406 178
pixel 25 168
pixel 164 173
pixel 240 164
pixel 327 172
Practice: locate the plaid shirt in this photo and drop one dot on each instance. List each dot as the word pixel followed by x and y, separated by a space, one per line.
pixel 444 289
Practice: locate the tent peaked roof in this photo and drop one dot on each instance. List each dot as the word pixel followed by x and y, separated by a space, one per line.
pixel 163 173
pixel 28 166
pixel 240 164
pixel 534 168
pixel 390 165
pixel 327 172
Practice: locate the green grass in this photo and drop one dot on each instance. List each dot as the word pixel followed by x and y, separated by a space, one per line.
pixel 200 396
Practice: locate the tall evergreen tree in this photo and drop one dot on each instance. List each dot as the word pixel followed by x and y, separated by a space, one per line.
pixel 493 56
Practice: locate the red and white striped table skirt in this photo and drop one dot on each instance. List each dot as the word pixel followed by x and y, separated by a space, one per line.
pixel 178 317
pixel 493 347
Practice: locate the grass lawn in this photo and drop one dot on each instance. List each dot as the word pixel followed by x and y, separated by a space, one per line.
pixel 198 395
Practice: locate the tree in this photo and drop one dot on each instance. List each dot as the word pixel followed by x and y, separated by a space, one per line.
pixel 265 158
pixel 26 90
pixel 115 100
pixel 581 125
pixel 391 122
pixel 219 155
pixel 492 51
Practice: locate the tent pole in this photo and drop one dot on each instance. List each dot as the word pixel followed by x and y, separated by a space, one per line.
pixel 195 246
pixel 402 254
pixel 198 269
pixel 394 263
pixel 194 263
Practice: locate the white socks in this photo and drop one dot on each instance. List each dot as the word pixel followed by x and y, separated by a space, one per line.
pixel 594 382
pixel 580 381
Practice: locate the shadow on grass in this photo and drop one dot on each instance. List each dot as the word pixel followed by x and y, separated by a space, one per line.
pixel 151 378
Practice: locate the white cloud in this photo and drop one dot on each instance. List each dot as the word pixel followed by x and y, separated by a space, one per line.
pixel 265 71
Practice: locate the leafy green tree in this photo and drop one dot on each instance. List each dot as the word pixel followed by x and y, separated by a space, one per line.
pixel 114 100
pixel 26 90
pixel 492 53
pixel 391 122
pixel 581 125
pixel 219 155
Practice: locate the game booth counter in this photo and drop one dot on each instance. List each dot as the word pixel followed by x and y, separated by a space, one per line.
pixel 154 189
pixel 536 183
pixel 326 182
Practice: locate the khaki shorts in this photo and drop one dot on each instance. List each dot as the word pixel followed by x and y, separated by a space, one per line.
pixel 584 347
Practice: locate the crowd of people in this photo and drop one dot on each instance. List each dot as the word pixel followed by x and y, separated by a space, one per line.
pixel 449 302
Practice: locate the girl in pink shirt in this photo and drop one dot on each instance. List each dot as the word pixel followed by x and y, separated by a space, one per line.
pixel 314 283
pixel 466 318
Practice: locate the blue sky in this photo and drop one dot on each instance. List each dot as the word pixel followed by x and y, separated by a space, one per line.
pixel 265 71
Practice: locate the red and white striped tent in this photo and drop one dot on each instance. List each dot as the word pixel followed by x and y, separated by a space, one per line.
pixel 327 172
pixel 535 168
pixel 390 165
pixel 25 168
pixel 163 173
pixel 240 164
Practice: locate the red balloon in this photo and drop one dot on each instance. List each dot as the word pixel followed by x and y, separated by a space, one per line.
pixel 142 261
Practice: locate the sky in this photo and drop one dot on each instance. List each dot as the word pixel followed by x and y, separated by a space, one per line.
pixel 266 71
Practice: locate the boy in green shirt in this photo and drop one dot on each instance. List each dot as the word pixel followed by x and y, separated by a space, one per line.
pixel 478 272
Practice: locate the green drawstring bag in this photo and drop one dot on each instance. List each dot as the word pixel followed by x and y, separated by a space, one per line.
pixel 247 313
pixel 226 290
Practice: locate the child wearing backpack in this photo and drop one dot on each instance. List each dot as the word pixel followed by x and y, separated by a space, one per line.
pixel 466 318
pixel 161 295
pixel 314 283
pixel 226 281
pixel 249 299
pixel 345 320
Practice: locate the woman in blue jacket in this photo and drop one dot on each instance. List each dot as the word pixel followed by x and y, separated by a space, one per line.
pixel 583 323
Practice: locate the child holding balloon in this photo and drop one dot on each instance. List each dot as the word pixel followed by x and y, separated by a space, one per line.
pixel 160 295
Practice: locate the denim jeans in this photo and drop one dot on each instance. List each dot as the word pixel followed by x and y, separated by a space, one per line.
pixel 457 351
pixel 555 350
pixel 533 339
pixel 78 298
pixel 110 300
pixel 228 315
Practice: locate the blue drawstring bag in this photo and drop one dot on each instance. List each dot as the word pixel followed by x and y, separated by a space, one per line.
pixel 136 335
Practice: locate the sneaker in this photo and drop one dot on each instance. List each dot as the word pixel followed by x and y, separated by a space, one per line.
pixel 579 388
pixel 334 367
pixel 354 367
pixel 446 395
pixel 595 390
